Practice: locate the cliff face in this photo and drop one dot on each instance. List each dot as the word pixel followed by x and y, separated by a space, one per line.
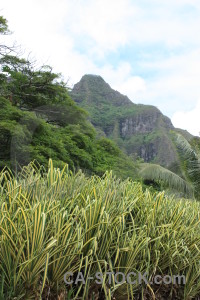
pixel 144 123
pixel 140 130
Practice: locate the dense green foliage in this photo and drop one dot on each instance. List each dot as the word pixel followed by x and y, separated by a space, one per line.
pixel 25 136
pixel 39 120
pixel 58 222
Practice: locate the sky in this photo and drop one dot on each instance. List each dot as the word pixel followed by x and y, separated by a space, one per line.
pixel 148 50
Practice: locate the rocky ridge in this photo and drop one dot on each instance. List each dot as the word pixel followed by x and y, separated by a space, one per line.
pixel 140 130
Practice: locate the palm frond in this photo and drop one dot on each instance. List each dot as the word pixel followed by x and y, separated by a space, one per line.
pixel 157 173
pixel 191 158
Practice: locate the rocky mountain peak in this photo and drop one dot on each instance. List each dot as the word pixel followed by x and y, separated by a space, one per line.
pixel 95 89
pixel 139 130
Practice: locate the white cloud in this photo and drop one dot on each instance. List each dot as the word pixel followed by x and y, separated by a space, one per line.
pixel 120 78
pixel 105 22
pixel 176 85
pixel 134 87
pixel 188 120
pixel 76 37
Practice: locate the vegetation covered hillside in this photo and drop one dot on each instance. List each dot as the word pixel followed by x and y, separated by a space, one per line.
pixel 139 130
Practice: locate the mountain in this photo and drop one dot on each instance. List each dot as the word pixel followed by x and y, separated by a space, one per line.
pixel 139 130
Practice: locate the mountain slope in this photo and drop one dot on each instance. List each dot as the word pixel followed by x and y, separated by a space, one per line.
pixel 139 130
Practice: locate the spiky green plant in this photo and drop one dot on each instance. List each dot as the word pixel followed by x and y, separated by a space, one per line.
pixel 56 222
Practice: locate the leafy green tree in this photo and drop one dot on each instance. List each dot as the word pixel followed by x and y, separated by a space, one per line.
pixel 3 26
pixel 4 30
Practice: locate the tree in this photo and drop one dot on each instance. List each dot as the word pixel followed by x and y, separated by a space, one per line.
pixel 4 26
pixel 5 49
pixel 190 158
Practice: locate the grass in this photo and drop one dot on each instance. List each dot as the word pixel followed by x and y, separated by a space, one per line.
pixel 56 222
